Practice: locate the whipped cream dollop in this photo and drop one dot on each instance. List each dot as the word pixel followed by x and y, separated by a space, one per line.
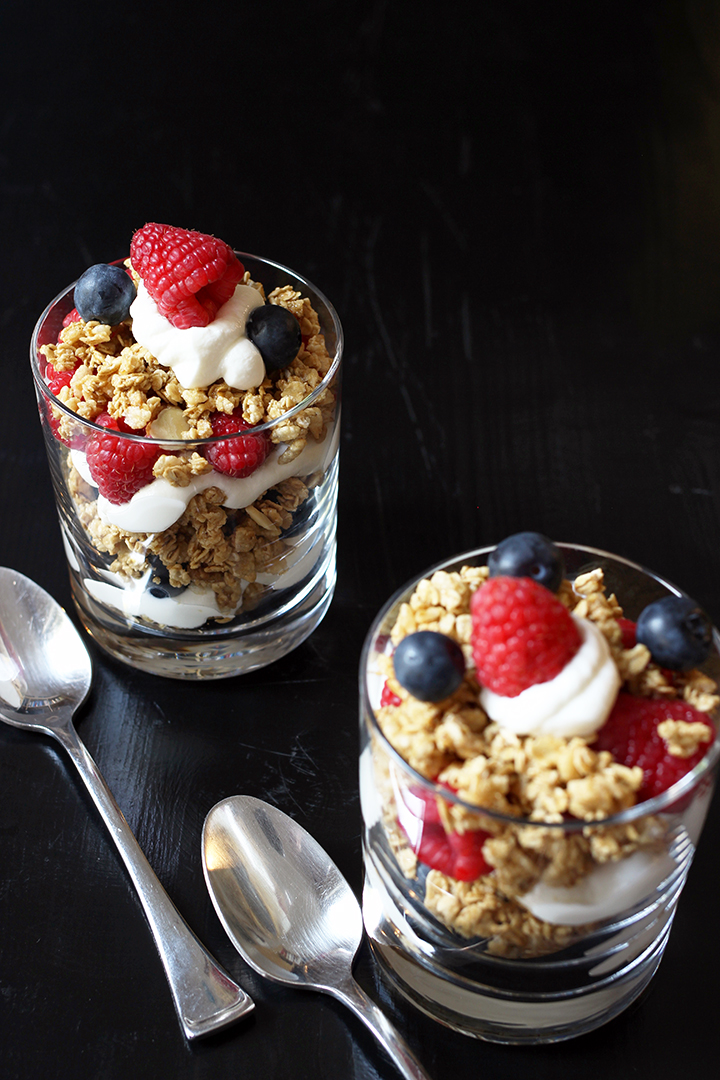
pixel 200 355
pixel 576 702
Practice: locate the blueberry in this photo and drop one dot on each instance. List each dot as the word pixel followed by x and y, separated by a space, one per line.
pixel 528 554
pixel 276 333
pixel 158 584
pixel 429 665
pixel 104 294
pixel 302 518
pixel 677 632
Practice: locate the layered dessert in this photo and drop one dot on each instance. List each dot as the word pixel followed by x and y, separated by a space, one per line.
pixel 531 724
pixel 197 415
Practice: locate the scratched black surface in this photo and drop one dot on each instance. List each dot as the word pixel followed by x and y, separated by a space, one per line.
pixel 516 210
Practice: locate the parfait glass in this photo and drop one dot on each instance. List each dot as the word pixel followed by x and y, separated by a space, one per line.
pixel 501 972
pixel 190 580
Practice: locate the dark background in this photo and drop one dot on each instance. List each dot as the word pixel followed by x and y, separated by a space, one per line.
pixel 515 208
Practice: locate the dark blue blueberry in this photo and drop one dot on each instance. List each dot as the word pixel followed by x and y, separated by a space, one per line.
pixel 276 333
pixel 429 665
pixel 302 518
pixel 158 584
pixel 528 554
pixel 163 591
pixel 677 632
pixel 104 294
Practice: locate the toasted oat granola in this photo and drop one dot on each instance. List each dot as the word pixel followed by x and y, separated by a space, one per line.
pixel 541 779
pixel 119 376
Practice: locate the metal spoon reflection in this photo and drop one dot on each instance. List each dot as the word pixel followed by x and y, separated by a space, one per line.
pixel 289 911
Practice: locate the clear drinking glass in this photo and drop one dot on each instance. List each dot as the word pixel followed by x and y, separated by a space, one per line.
pixel 208 590
pixel 572 976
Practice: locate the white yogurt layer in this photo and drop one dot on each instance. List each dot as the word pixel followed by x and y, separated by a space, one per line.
pixel 615 887
pixel 606 891
pixel 186 611
pixel 576 702
pixel 192 607
pixel 159 504
pixel 200 355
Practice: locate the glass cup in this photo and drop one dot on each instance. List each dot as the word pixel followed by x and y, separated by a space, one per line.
pixel 479 963
pixel 185 581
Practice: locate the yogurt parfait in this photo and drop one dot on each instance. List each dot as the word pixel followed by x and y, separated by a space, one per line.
pixel 190 400
pixel 539 742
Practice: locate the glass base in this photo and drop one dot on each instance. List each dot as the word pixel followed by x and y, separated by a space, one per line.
pixel 214 655
pixel 509 1023
pixel 434 983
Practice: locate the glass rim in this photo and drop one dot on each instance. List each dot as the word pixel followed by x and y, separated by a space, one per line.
pixel 658 803
pixel 267 425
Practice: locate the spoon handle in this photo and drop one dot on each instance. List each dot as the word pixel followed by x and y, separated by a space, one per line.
pixel 387 1035
pixel 205 997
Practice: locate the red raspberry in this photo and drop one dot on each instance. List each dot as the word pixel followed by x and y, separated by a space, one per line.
pixel 237 457
pixel 114 423
pixel 71 317
pixel 119 467
pixel 57 379
pixel 469 861
pixel 630 734
pixel 627 629
pixel 521 634
pixel 389 697
pixel 458 855
pixel 188 274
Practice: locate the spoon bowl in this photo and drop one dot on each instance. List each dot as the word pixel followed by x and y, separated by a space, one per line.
pixel 45 674
pixel 44 664
pixel 289 911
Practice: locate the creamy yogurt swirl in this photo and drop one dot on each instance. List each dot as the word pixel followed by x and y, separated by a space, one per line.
pixel 192 607
pixel 159 504
pixel 200 355
pixel 576 702
pixel 607 890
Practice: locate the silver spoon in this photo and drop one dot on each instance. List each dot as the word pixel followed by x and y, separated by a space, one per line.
pixel 45 674
pixel 289 911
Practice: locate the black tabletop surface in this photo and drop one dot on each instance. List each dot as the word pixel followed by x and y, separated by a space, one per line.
pixel 516 211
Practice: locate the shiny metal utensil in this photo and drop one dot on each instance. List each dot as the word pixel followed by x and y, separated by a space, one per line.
pixel 45 674
pixel 289 911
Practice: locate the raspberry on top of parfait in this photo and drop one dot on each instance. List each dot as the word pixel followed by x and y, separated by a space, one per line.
pixel 523 627
pixel 189 275
pixel 521 634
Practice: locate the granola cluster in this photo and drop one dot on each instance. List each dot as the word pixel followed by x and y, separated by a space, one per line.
pixel 543 779
pixel 113 373
pixel 210 546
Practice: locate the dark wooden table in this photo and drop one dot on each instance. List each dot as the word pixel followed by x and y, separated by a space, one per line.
pixel 516 210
